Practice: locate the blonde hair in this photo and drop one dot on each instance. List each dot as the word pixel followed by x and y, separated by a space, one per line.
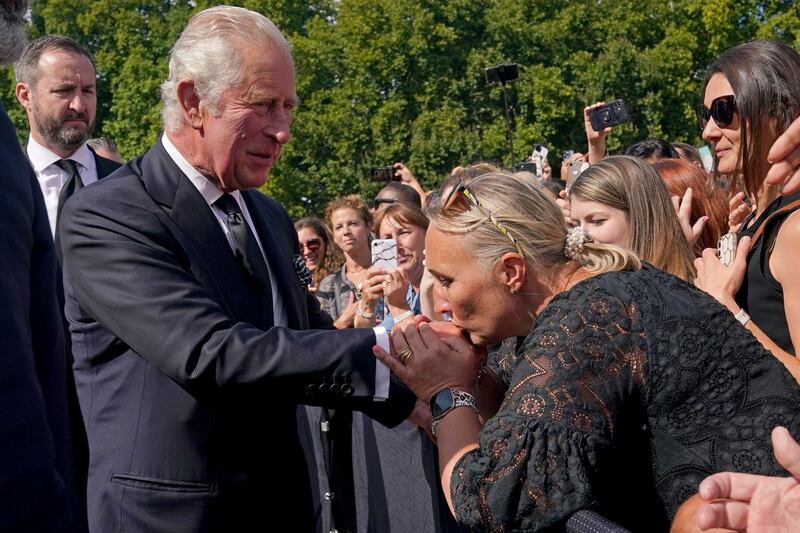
pixel 633 186
pixel 534 221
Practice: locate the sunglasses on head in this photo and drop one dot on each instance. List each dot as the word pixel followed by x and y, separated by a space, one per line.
pixel 461 193
pixel 722 110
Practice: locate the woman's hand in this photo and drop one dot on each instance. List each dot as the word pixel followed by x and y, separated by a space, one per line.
pixel 595 139
pixel 395 290
pixel 738 210
pixel 373 288
pixel 683 208
pixel 407 178
pixel 785 158
pixel 563 203
pixel 720 281
pixel 428 363
pixel 348 315
pixel 547 172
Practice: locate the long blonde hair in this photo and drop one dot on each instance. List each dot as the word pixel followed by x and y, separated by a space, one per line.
pixel 632 185
pixel 534 221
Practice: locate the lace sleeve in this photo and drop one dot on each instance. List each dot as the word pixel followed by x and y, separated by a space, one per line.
pixel 575 375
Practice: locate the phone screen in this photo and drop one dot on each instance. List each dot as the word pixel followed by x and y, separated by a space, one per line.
pixel 384 254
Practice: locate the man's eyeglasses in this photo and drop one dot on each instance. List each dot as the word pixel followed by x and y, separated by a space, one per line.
pixel 462 193
pixel 722 110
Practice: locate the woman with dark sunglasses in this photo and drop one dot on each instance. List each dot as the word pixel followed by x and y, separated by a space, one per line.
pixel 622 386
pixel 751 95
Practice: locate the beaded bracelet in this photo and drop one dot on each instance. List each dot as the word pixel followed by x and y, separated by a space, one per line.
pixel 407 314
pixel 364 314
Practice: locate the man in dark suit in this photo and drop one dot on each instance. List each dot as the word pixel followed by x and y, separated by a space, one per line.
pixel 188 311
pixel 36 488
pixel 56 84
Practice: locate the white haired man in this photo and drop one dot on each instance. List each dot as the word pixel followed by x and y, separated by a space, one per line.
pixel 188 305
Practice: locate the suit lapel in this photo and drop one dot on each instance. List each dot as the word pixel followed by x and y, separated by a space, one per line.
pixel 278 249
pixel 201 236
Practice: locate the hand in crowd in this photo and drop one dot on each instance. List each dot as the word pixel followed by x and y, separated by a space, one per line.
pixel 683 208
pixel 595 139
pixel 372 291
pixel 785 158
pixel 547 171
pixel 757 504
pixel 347 317
pixel 720 281
pixel 738 210
pixel 429 358
pixel 407 178
pixel 396 289
pixel 563 203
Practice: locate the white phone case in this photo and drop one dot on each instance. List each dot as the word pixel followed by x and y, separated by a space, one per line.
pixel 384 254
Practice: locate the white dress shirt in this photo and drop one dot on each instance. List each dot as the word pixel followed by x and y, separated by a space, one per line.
pixel 211 193
pixel 52 178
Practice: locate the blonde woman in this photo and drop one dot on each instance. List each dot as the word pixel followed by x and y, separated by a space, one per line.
pixel 624 386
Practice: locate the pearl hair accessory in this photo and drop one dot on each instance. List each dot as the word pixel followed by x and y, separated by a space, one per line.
pixel 576 236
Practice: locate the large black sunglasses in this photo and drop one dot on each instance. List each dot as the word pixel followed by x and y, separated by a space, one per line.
pixel 722 111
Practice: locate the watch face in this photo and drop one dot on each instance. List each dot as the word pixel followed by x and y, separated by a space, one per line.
pixel 441 402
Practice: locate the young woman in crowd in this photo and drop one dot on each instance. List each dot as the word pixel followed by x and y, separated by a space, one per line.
pixel 340 292
pixel 624 385
pixel 316 246
pixel 701 200
pixel 622 200
pixel 750 96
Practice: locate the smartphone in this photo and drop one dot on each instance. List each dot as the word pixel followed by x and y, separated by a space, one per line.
pixel 726 248
pixel 610 114
pixel 574 169
pixel 566 155
pixel 538 157
pixel 385 174
pixel 384 254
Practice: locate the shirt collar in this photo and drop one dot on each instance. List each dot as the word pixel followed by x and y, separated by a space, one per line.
pixel 207 189
pixel 42 157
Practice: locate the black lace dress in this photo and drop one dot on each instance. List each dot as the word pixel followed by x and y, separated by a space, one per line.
pixel 630 389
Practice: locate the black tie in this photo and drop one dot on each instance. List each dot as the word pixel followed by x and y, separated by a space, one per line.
pixel 246 249
pixel 72 184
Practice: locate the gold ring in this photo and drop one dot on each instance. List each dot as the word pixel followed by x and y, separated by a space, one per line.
pixel 405 355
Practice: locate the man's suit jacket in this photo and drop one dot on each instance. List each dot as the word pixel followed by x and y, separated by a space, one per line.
pixel 188 393
pixel 36 487
pixel 80 447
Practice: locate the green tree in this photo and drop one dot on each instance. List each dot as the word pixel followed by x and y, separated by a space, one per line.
pixel 403 80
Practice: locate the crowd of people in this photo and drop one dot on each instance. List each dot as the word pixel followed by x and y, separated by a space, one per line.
pixel 182 356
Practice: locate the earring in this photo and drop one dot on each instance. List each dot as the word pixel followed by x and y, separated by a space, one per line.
pixel 513 291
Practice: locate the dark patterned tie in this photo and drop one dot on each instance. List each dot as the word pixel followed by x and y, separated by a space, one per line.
pixel 246 249
pixel 72 184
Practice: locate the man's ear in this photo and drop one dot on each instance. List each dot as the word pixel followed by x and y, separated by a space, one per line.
pixel 190 104
pixel 23 92
pixel 512 271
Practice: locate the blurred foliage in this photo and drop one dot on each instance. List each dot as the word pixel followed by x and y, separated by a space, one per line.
pixel 403 80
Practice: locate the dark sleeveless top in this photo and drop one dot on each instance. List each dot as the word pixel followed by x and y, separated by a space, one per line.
pixel 760 294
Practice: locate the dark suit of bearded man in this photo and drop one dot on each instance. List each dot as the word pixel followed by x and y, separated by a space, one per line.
pixel 188 371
